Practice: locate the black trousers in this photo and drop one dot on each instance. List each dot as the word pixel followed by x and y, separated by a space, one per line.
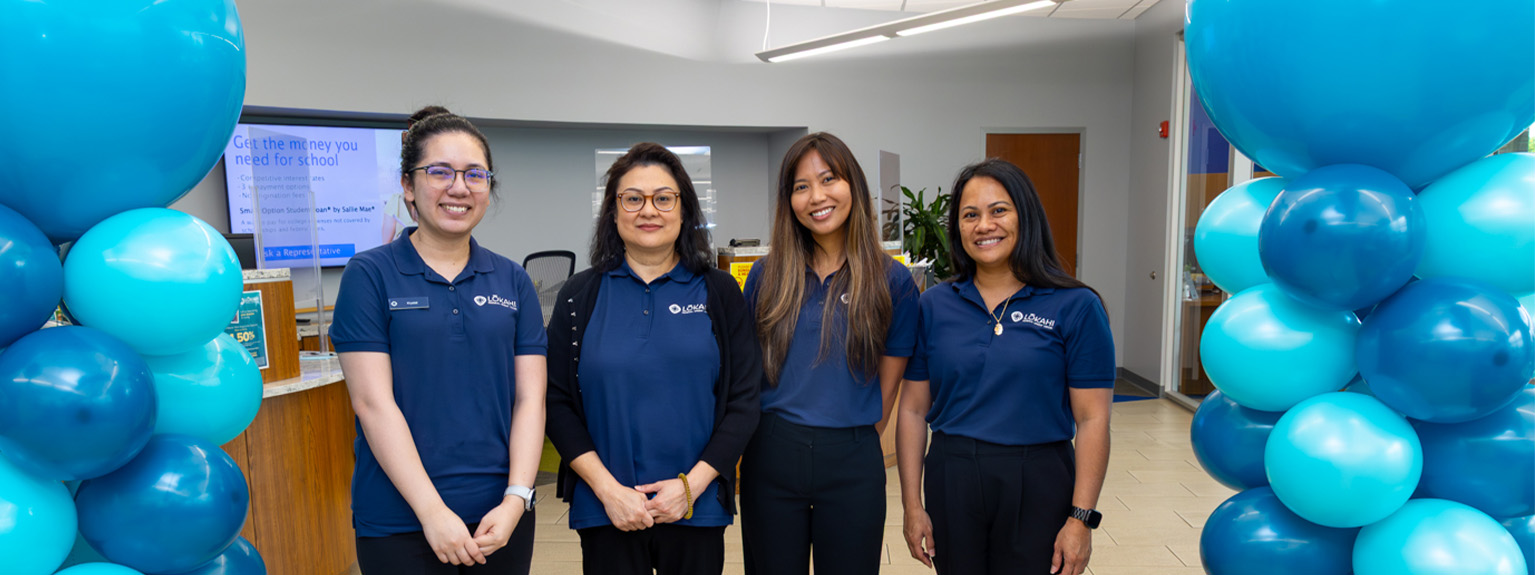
pixel 812 488
pixel 664 550
pixel 997 508
pixel 410 554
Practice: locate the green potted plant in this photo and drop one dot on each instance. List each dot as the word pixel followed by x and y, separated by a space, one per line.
pixel 927 231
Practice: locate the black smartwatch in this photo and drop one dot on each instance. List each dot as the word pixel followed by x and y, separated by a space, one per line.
pixel 1088 517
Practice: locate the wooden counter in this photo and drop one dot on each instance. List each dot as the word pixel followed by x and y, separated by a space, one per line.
pixel 297 458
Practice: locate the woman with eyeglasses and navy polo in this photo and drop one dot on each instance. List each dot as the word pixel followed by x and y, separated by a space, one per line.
pixel 442 345
pixel 653 377
pixel 1014 358
pixel 837 319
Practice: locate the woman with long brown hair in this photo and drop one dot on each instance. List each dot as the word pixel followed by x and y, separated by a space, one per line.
pixel 836 317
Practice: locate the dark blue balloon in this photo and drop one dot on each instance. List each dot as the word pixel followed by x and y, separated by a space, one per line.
pixel 1229 439
pixel 32 276
pixel 1446 350
pixel 1252 533
pixel 1342 237
pixel 1487 463
pixel 240 558
pixel 75 403
pixel 1523 530
pixel 175 507
pixel 1401 85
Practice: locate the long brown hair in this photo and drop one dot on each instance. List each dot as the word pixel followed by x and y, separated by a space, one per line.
pixel 862 277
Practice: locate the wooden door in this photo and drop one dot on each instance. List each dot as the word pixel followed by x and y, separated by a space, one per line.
pixel 1053 163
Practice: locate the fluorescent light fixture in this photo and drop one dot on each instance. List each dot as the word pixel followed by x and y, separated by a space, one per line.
pixel 978 17
pixel 904 27
pixel 827 49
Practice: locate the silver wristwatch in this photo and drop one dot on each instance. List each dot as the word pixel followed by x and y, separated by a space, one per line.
pixel 526 493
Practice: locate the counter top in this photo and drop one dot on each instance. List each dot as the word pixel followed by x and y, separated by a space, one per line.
pixel 267 274
pixel 313 373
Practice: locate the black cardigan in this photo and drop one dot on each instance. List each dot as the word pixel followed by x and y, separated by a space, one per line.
pixel 736 408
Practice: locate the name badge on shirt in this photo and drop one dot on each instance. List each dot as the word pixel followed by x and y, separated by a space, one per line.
pixel 399 303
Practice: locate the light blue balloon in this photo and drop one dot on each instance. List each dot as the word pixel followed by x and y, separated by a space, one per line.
pixel 1269 352
pixel 1343 460
pixel 83 553
pixel 1523 530
pixel 162 80
pixel 160 280
pixel 32 275
pixel 211 392
pixel 99 569
pixel 1226 238
pixel 37 522
pixel 1401 85
pixel 1480 223
pixel 1437 537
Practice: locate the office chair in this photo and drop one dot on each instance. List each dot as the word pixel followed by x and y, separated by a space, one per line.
pixel 549 270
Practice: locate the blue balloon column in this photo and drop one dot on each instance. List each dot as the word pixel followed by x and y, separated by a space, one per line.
pixel 136 397
pixel 1379 115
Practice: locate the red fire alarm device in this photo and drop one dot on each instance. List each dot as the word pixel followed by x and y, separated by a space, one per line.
pixel 1162 130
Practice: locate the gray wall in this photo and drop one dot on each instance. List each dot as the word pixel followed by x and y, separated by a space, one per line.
pixel 1140 336
pixel 929 104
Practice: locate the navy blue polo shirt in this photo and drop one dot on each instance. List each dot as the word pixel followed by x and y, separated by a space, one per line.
pixel 649 362
pixel 824 391
pixel 1010 388
pixel 451 347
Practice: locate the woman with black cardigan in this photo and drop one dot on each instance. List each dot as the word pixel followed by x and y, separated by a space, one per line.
pixel 654 371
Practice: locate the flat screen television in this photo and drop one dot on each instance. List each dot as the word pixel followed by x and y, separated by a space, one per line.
pixel 354 175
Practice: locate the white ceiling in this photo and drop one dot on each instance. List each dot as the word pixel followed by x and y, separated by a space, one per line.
pixel 1086 9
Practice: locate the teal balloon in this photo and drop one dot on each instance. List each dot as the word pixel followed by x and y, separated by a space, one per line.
pixel 240 558
pixel 1252 533
pixel 1478 223
pixel 1473 462
pixel 161 280
pixel 1228 440
pixel 37 522
pixel 211 392
pixel 1447 350
pixel 162 80
pixel 1343 460
pixel 1226 238
pixel 1437 537
pixel 75 403
pixel 1342 237
pixel 99 569
pixel 1401 85
pixel 32 276
pixel 1523 530
pixel 1268 352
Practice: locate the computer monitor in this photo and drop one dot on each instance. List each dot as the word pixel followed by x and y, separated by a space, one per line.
pixel 245 249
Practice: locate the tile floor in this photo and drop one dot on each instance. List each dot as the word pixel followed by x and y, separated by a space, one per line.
pixel 1155 499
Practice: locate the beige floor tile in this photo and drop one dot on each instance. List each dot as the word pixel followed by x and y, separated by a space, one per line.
pixel 1133 556
pixel 1155 499
pixel 1188 553
pixel 1137 570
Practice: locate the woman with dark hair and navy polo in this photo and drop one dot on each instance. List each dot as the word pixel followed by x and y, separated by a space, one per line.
pixel 1014 358
pixel 653 377
pixel 442 345
pixel 837 319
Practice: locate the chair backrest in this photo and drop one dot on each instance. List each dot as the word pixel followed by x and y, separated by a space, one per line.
pixel 549 270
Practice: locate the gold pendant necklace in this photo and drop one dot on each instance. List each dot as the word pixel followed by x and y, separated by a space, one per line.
pixel 998 329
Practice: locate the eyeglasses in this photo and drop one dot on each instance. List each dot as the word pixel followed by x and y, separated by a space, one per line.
pixel 634 201
pixel 442 177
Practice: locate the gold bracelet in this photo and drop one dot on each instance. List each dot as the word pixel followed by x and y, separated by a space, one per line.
pixel 687 492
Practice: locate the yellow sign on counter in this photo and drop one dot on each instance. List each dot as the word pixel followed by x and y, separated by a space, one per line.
pixel 740 270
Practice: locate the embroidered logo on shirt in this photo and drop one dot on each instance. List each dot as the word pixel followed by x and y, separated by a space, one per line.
pixel 687 309
pixel 510 304
pixel 1019 317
